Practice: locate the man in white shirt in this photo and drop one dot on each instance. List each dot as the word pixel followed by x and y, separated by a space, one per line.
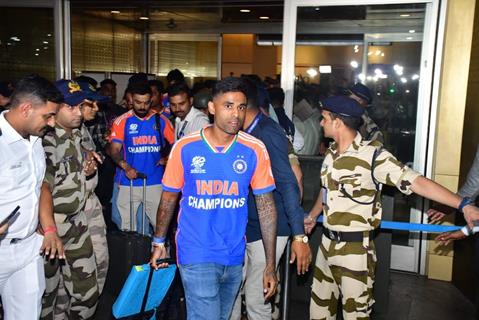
pixel 188 119
pixel 34 104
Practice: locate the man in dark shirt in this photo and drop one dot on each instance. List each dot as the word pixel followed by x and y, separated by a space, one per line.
pixel 290 214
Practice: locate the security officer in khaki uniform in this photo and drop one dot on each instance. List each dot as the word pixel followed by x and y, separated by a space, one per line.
pixel 351 175
pixel 67 169
pixel 369 129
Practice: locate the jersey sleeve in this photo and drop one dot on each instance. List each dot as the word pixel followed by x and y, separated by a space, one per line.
pixel 173 178
pixel 168 131
pixel 118 130
pixel 262 180
pixel 388 170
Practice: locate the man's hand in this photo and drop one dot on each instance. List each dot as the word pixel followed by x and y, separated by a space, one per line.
pixel 302 254
pixel 435 216
pixel 52 246
pixel 270 282
pixel 446 237
pixel 159 252
pixel 471 213
pixel 131 173
pixel 3 229
pixel 309 224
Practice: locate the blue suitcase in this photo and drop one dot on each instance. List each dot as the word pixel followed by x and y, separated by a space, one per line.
pixel 143 291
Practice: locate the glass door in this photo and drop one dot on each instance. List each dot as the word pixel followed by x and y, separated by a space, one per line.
pixel 328 46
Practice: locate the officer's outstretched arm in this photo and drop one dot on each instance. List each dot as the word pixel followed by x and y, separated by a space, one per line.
pixel 434 191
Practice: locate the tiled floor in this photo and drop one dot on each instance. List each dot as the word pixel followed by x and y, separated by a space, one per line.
pixel 413 297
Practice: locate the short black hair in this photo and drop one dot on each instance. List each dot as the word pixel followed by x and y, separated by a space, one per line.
pixel 251 92
pixel 139 88
pixel 276 96
pixel 175 75
pixel 178 88
pixel 350 122
pixel 36 89
pixel 87 79
pixel 108 81
pixel 158 84
pixel 229 84
pixel 138 78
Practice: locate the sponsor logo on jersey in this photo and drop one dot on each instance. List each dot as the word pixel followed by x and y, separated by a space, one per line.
pixel 197 164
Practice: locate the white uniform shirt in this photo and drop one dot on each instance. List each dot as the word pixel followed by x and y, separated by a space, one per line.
pixel 194 121
pixel 22 169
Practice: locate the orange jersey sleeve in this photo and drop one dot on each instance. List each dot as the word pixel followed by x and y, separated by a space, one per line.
pixel 173 178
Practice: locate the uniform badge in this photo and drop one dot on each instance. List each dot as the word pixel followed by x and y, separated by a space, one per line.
pixel 240 166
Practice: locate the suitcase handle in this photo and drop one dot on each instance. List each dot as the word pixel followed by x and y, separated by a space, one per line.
pixel 166 260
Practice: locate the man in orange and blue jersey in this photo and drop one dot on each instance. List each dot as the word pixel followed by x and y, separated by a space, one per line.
pixel 139 141
pixel 214 168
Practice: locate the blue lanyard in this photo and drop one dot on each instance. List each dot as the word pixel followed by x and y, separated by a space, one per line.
pixel 255 122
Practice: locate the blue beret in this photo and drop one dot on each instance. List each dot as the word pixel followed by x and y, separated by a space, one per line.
pixel 362 91
pixel 343 106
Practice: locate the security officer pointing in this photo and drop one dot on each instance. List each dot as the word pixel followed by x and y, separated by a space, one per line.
pixel 351 176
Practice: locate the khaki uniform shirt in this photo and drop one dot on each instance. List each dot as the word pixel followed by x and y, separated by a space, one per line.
pixel 349 173
pixel 64 172
pixel 370 130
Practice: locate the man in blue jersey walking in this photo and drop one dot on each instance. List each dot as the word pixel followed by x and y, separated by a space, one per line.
pixel 214 169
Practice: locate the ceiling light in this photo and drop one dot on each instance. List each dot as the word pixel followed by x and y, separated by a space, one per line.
pixel 408 38
pixel 9 44
pixel 325 69
pixel 37 49
pixel 412 31
pixel 378 52
pixel 312 72
pixel 45 48
pixel 404 15
pixel 115 11
pixel 354 64
pixel 49 34
pixel 407 91
pixel 144 18
pixel 264 18
pixel 361 77
pixel 317 8
pixel 37 54
pixel 414 77
pixel 245 10
pixel 45 42
pixel 403 80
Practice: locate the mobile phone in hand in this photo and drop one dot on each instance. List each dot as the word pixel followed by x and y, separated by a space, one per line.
pixel 11 217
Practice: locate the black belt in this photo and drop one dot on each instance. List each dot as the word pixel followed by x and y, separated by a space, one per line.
pixel 341 236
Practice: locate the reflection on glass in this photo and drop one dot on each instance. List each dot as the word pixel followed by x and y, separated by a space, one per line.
pixel 334 58
pixel 25 50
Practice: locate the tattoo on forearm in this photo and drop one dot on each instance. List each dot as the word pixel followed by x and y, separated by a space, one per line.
pixel 164 215
pixel 268 222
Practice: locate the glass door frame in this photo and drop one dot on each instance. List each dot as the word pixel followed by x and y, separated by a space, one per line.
pixel 431 58
pixel 61 16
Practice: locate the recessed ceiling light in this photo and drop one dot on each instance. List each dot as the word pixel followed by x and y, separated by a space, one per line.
pixel 37 54
pixel 405 15
pixel 408 38
pixel 412 31
pixel 115 11
pixel 144 18
pixel 37 49
pixel 45 48
pixel 264 18
pixel 45 42
pixel 49 34
pixel 245 10
pixel 317 8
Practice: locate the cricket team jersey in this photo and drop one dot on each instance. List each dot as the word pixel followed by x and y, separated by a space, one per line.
pixel 214 206
pixel 141 145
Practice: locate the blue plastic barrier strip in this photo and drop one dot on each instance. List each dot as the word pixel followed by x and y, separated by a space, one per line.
pixel 394 225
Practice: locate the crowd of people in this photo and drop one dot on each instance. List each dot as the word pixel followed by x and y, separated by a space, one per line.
pixel 221 158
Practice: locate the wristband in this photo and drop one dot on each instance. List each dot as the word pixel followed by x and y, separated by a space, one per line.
pixel 464 202
pixel 49 229
pixel 156 244
pixel 158 240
